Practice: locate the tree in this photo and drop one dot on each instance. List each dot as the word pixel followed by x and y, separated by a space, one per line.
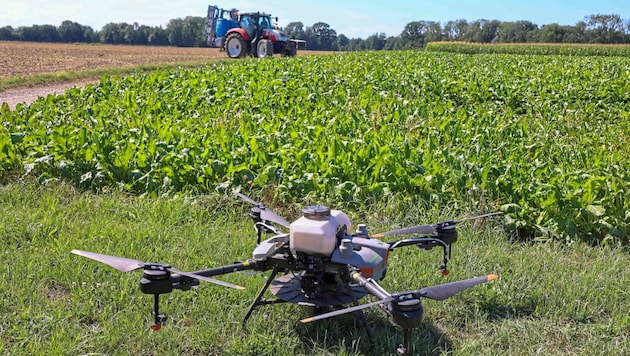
pixel 295 30
pixel 413 34
pixel 89 35
pixel 356 44
pixel 157 36
pixel 455 30
pixel 342 42
pixel 605 28
pixel 434 32
pixel 394 43
pixel 325 36
pixel 187 32
pixel 70 31
pixel 461 28
pixel 376 41
pixel 552 33
pixel 39 33
pixel 112 33
pixel 515 32
pixel 7 33
pixel 487 31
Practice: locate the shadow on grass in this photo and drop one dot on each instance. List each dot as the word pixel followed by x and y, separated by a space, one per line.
pixel 496 310
pixel 347 335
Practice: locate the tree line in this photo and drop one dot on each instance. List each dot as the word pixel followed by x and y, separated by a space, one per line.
pixel 598 28
pixel 189 32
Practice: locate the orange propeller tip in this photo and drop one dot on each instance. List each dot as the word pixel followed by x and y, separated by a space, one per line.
pixel 307 320
pixel 492 277
pixel 377 236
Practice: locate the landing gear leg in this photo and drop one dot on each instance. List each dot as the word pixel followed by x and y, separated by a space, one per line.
pixel 368 329
pixel 258 300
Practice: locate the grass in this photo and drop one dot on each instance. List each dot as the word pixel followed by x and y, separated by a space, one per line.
pixel 60 77
pixel 550 299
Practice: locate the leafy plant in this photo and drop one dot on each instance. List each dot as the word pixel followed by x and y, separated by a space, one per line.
pixel 544 138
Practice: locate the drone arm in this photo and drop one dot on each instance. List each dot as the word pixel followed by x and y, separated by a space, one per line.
pixel 239 266
pixel 369 284
pixel 417 241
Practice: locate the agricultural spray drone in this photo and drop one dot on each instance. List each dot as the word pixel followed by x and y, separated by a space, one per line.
pixel 321 262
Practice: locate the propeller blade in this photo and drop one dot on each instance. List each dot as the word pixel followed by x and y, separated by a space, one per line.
pixel 120 263
pixel 206 279
pixel 447 290
pixel 127 264
pixel 439 292
pixel 346 310
pixel 247 199
pixel 427 229
pixel 265 214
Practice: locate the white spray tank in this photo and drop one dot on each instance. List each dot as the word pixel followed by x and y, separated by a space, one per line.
pixel 316 231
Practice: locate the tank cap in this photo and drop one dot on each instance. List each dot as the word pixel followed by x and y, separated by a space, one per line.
pixel 316 212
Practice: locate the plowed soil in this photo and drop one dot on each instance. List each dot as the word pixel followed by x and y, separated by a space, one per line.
pixel 28 58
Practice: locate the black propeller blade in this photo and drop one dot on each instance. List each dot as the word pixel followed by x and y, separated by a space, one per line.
pixel 439 292
pixel 265 213
pixel 127 264
pixel 430 229
pixel 447 290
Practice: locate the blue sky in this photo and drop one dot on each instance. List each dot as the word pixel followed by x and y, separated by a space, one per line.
pixel 354 18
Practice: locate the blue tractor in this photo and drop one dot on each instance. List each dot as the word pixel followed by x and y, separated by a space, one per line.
pixel 247 34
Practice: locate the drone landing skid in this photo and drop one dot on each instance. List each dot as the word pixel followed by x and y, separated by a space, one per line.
pixel 288 289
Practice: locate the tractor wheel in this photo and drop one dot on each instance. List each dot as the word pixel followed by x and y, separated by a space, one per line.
pixel 235 46
pixel 264 49
pixel 290 49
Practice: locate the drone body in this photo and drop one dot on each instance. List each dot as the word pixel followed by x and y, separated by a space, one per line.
pixel 320 262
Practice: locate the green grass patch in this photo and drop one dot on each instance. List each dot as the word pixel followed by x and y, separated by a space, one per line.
pixel 60 77
pixel 551 298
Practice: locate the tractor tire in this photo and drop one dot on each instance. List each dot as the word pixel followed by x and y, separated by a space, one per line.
pixel 290 49
pixel 235 46
pixel 264 49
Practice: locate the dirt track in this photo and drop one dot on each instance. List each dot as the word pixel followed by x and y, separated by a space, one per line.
pixel 30 58
pixel 28 95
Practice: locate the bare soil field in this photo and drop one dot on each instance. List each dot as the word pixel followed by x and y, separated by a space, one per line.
pixel 30 58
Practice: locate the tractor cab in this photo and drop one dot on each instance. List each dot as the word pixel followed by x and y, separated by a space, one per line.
pixel 252 22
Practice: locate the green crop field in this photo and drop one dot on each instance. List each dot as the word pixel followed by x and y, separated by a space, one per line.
pixel 542 138
pixel 142 167
pixel 564 49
